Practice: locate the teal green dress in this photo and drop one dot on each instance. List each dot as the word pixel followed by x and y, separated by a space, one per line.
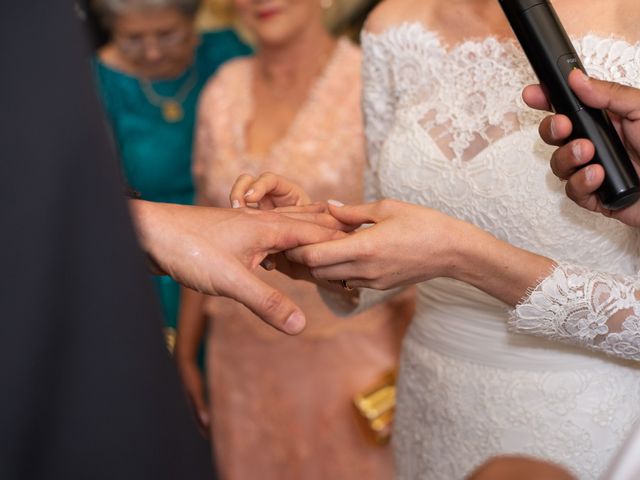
pixel 156 153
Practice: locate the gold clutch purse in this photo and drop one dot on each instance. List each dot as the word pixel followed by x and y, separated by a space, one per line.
pixel 376 406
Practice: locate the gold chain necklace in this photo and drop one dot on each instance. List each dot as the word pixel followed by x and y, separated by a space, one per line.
pixel 171 107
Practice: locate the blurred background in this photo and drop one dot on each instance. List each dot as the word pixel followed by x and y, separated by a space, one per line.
pixel 343 17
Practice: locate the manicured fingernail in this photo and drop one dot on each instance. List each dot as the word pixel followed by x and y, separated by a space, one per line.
pixel 576 150
pixel 249 193
pixel 268 264
pixel 235 204
pixel 335 203
pixel 294 324
pixel 588 174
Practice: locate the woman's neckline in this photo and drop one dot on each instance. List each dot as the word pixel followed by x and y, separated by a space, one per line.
pixel 449 47
pixel 131 77
pixel 310 101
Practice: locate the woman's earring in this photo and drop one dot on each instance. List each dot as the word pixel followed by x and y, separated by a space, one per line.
pixel 326 4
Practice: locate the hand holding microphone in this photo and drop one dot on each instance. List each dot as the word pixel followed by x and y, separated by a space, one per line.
pixel 553 59
pixel 569 160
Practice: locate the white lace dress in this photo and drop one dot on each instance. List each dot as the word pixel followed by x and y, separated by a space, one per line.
pixel 447 129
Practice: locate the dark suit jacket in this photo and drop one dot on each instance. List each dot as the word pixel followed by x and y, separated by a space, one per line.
pixel 87 390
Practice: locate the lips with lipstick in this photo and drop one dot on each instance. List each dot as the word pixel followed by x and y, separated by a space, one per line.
pixel 268 12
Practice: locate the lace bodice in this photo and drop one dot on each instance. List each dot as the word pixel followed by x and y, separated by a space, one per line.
pixel 446 128
pixel 453 133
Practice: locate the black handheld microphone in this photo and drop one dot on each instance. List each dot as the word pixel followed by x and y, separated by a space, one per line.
pixel 552 57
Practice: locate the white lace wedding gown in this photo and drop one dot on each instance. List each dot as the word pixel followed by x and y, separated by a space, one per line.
pixel 447 129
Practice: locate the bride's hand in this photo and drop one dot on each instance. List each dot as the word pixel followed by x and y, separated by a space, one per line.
pixel 269 191
pixel 409 244
pixel 406 244
pixel 317 214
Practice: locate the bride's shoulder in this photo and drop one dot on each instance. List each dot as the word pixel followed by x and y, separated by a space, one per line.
pixel 627 19
pixel 390 13
pixel 614 17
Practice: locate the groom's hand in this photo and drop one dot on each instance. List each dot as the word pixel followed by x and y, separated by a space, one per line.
pixel 214 251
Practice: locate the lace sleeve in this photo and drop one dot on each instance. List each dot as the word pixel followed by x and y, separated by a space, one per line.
pixel 377 106
pixel 594 310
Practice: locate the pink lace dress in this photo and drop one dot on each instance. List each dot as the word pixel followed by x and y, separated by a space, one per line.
pixel 282 406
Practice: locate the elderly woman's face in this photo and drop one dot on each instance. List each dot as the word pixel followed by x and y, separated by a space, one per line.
pixel 159 42
pixel 276 22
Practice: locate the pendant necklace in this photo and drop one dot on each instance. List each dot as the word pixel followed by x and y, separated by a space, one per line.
pixel 171 107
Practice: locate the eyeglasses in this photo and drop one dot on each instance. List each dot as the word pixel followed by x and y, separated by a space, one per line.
pixel 136 45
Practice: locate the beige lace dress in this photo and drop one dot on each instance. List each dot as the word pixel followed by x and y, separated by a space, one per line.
pixel 282 406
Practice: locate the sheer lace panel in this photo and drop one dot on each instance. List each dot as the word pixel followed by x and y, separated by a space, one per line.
pixel 583 307
pixel 468 96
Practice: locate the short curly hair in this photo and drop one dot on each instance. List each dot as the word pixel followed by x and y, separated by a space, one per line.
pixel 108 10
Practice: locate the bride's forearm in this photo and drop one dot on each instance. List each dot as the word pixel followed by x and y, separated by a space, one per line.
pixel 496 267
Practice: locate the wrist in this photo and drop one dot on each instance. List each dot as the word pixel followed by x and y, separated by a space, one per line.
pixel 497 267
pixel 480 258
pixel 466 252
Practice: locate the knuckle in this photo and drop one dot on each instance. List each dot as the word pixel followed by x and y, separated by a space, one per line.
pixel 315 273
pixel 370 274
pixel 267 181
pixel 386 204
pixel 615 88
pixel 273 302
pixel 311 259
pixel 559 164
pixel 273 220
pixel 367 249
pixel 553 163
pixel 543 129
pixel 570 191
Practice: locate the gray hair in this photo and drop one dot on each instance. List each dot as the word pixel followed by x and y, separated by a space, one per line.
pixel 108 10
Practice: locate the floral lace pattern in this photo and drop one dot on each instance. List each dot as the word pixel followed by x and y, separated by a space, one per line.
pixel 446 128
pixel 579 306
pixel 452 415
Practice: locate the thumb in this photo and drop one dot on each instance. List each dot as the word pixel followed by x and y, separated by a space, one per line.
pixel 619 99
pixel 354 214
pixel 266 302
